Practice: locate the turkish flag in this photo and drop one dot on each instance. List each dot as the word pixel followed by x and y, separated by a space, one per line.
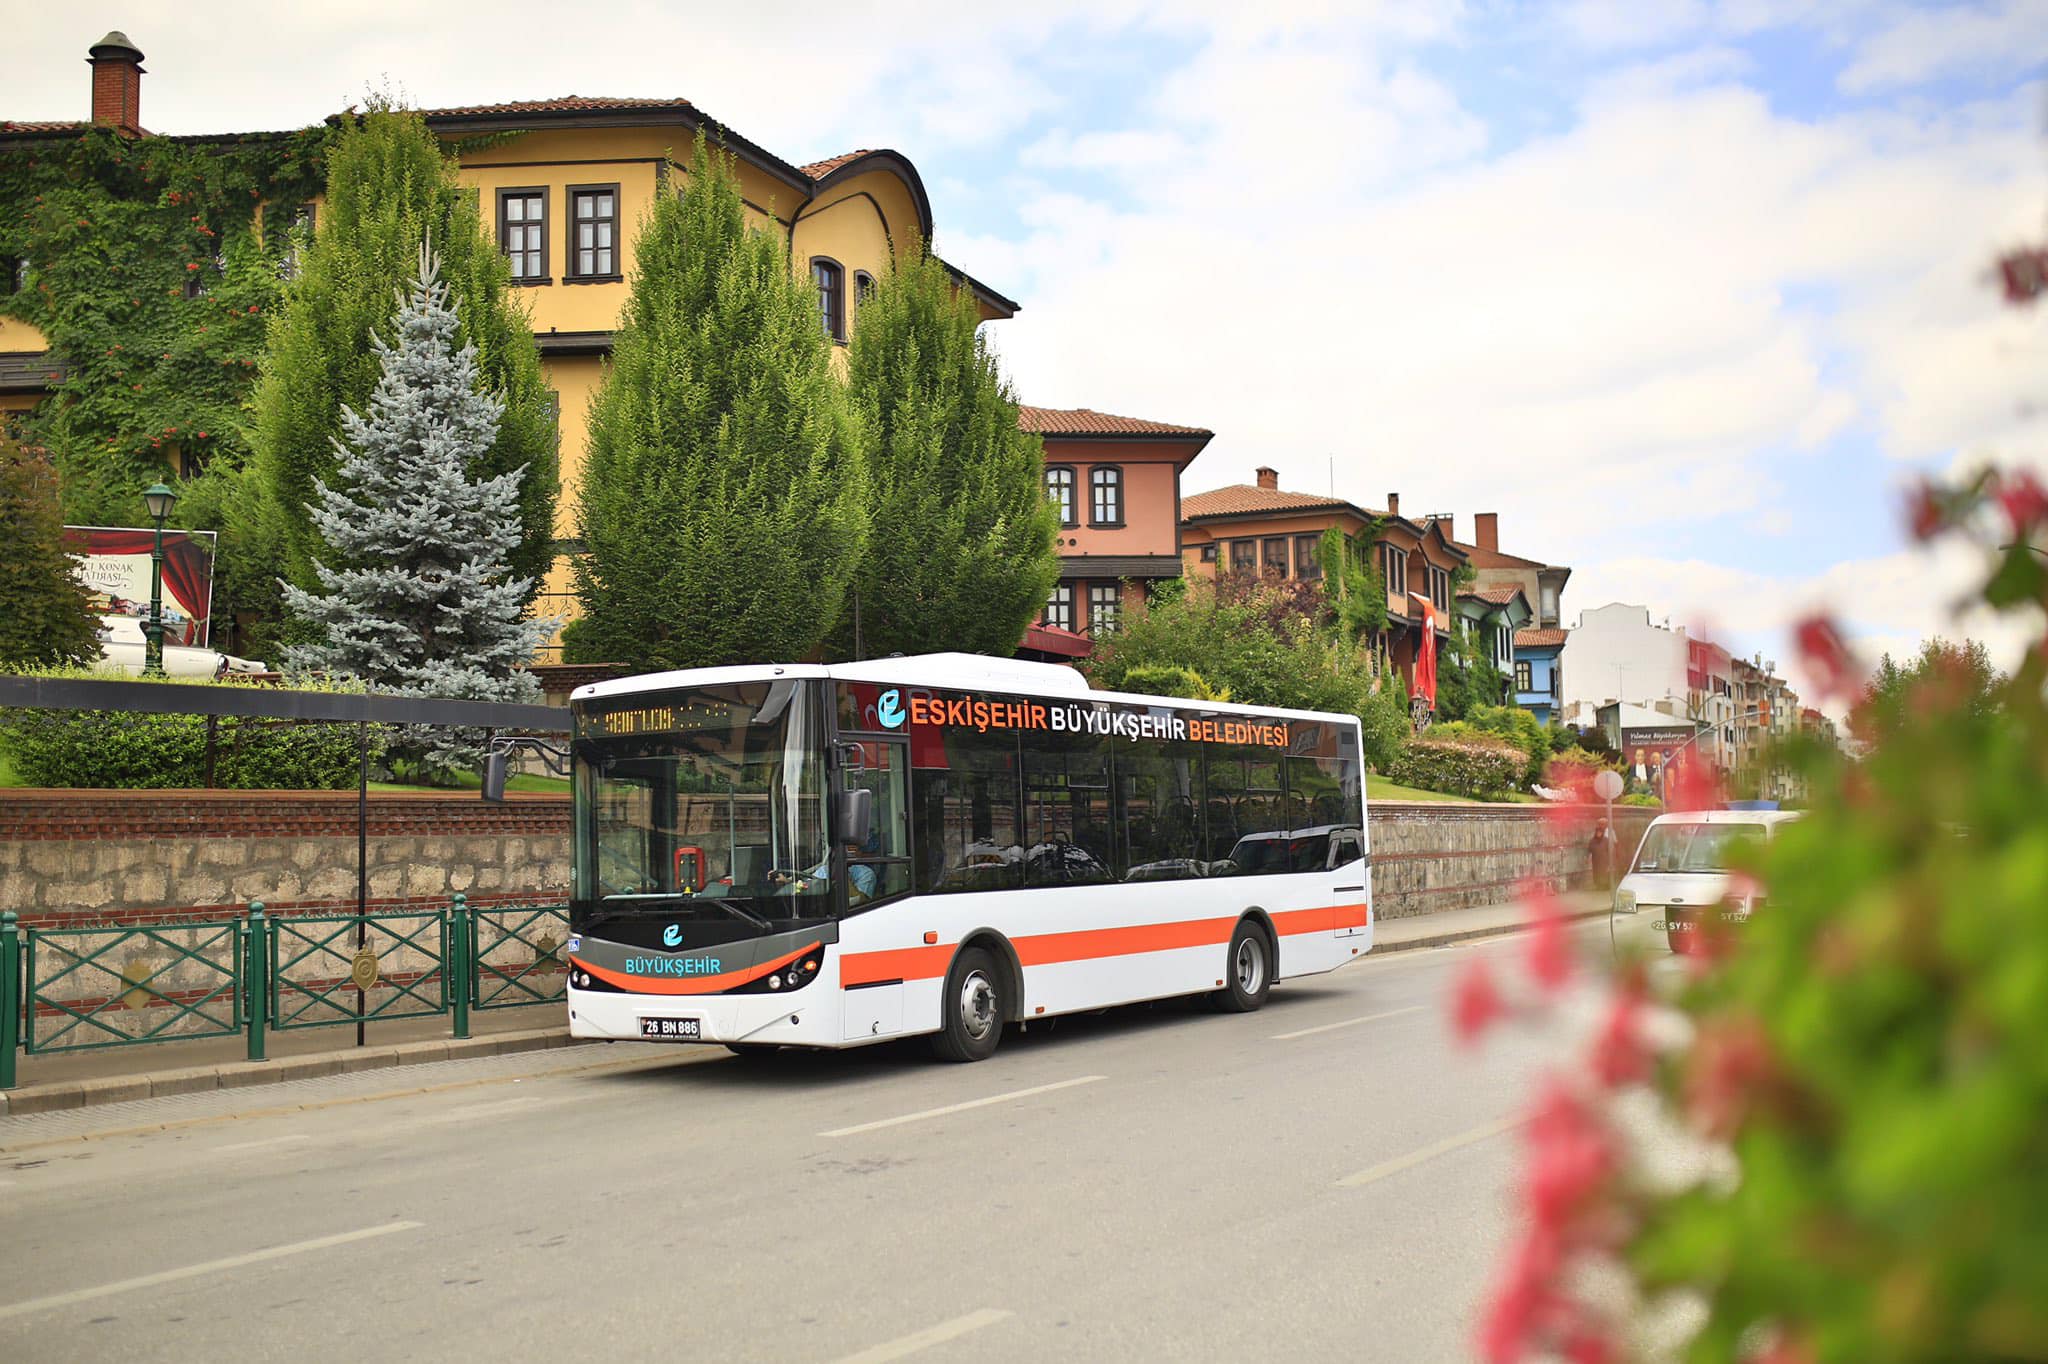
pixel 1425 653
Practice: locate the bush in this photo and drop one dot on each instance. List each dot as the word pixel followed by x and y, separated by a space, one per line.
pixel 1520 728
pixel 1386 728
pixel 139 751
pixel 1164 679
pixel 1643 798
pixel 1461 764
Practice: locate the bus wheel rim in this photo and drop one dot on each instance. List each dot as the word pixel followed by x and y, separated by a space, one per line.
pixel 977 1005
pixel 1251 966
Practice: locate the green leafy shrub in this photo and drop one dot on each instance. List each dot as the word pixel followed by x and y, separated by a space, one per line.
pixel 1166 679
pixel 1384 724
pixel 1464 763
pixel 100 748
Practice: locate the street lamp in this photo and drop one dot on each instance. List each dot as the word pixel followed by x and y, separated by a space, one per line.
pixel 159 499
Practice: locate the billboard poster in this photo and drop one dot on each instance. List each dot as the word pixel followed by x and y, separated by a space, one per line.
pixel 113 563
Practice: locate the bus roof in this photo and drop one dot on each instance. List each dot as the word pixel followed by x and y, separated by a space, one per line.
pixel 948 671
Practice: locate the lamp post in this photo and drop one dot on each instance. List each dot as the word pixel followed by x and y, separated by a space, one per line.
pixel 159 499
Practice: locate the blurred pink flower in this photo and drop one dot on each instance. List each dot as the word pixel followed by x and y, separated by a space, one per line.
pixel 1476 1004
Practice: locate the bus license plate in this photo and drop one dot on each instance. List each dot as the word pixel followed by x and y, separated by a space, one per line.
pixel 672 1029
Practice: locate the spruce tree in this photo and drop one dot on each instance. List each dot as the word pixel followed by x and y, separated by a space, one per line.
pixel 45 612
pixel 723 499
pixel 963 556
pixel 390 186
pixel 422 600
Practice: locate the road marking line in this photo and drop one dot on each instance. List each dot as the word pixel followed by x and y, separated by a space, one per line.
pixel 259 1145
pixel 961 1108
pixel 1347 1023
pixel 105 1290
pixel 1430 1152
pixel 928 1337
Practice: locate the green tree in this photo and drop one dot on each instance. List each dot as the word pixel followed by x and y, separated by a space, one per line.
pixel 724 498
pixel 1963 673
pixel 963 555
pixel 45 614
pixel 1351 578
pixel 390 186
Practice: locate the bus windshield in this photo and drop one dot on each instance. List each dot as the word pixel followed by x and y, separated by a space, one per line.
pixel 703 805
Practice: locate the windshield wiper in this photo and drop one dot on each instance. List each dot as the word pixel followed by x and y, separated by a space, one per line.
pixel 739 911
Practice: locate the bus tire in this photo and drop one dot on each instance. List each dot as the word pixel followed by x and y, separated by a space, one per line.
pixel 971 1008
pixel 1247 971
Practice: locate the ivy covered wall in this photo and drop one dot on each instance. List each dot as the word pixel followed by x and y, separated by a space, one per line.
pixel 149 275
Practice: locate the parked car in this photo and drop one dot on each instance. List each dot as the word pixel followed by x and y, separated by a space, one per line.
pixel 123 646
pixel 1680 872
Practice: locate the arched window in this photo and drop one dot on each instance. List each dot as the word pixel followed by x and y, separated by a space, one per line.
pixel 1106 496
pixel 1059 486
pixel 831 281
pixel 863 287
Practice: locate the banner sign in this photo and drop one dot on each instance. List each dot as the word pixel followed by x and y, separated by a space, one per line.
pixel 113 563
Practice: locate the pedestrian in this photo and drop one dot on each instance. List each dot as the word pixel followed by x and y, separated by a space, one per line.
pixel 1600 853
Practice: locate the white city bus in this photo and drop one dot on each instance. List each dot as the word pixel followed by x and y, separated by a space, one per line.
pixel 826 856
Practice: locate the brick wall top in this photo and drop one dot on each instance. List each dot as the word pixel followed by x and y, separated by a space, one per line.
pixel 34 815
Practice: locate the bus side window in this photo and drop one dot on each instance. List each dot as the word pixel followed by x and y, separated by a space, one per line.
pixel 966 816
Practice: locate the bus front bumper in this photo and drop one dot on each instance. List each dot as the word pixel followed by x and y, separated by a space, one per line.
pixel 807 1017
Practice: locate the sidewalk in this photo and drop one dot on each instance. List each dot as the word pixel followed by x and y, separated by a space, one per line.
pixel 80 1079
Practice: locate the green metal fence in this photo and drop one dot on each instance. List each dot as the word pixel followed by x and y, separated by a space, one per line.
pixel 70 989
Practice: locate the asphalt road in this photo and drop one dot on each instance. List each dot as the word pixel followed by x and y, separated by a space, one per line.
pixel 1328 1178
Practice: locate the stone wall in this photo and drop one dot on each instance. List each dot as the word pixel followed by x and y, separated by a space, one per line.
pixel 138 857
pixel 1429 856
pixel 142 857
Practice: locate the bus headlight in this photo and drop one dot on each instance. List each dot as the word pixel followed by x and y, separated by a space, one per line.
pixel 1624 902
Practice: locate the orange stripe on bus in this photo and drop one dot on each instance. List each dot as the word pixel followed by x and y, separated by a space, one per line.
pixel 689 985
pixel 1092 944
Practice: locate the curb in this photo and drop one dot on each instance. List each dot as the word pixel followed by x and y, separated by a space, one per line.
pixel 59 1095
pixel 1467 934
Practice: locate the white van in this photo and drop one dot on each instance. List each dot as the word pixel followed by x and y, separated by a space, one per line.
pixel 1680 871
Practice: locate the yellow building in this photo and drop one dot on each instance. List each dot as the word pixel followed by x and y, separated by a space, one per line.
pixel 563 184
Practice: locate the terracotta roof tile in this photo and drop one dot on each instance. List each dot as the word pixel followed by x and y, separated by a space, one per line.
pixel 1500 594
pixel 1493 558
pixel 29 125
pixel 818 170
pixel 564 104
pixel 1082 421
pixel 1537 639
pixel 1240 498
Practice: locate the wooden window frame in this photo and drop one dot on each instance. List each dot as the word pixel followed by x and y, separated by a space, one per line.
pixel 1116 481
pixel 1061 602
pixel 539 192
pixel 863 288
pixel 1525 676
pixel 1070 511
pixel 1393 557
pixel 1267 566
pixel 1115 593
pixel 832 313
pixel 1312 558
pixel 1251 563
pixel 1210 552
pixel 571 194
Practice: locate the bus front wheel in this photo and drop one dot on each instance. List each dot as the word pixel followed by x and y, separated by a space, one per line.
pixel 973 1008
pixel 1248 973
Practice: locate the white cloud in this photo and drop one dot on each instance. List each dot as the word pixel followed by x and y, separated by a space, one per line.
pixel 1921 45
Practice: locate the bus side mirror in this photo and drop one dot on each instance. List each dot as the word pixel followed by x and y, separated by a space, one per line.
pixel 494 776
pixel 856 816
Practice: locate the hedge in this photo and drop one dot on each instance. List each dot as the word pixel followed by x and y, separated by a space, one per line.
pixel 100 748
pixel 1464 766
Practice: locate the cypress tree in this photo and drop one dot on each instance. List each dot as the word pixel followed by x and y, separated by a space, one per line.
pixel 389 186
pixel 723 498
pixel 426 604
pixel 963 556
pixel 45 612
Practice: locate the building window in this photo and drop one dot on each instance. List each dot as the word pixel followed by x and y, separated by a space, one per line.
pixel 1549 606
pixel 13 275
pixel 1525 676
pixel 1394 568
pixel 593 232
pixel 1556 678
pixel 295 223
pixel 1104 601
pixel 523 233
pixel 1059 608
pixel 831 282
pixel 1275 548
pixel 1209 552
pixel 1308 557
pixel 1059 486
pixel 1503 645
pixel 1106 496
pixel 1440 588
pixel 1244 556
pixel 863 287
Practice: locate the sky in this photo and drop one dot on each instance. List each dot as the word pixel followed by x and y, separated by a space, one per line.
pixel 1688 294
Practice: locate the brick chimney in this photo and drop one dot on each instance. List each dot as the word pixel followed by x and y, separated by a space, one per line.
pixel 117 82
pixel 1486 531
pixel 1393 504
pixel 1268 478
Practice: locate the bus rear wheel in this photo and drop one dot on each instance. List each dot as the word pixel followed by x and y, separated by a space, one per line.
pixel 1248 972
pixel 972 1008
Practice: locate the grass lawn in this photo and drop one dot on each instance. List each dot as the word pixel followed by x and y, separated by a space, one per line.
pixel 470 781
pixel 1378 788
